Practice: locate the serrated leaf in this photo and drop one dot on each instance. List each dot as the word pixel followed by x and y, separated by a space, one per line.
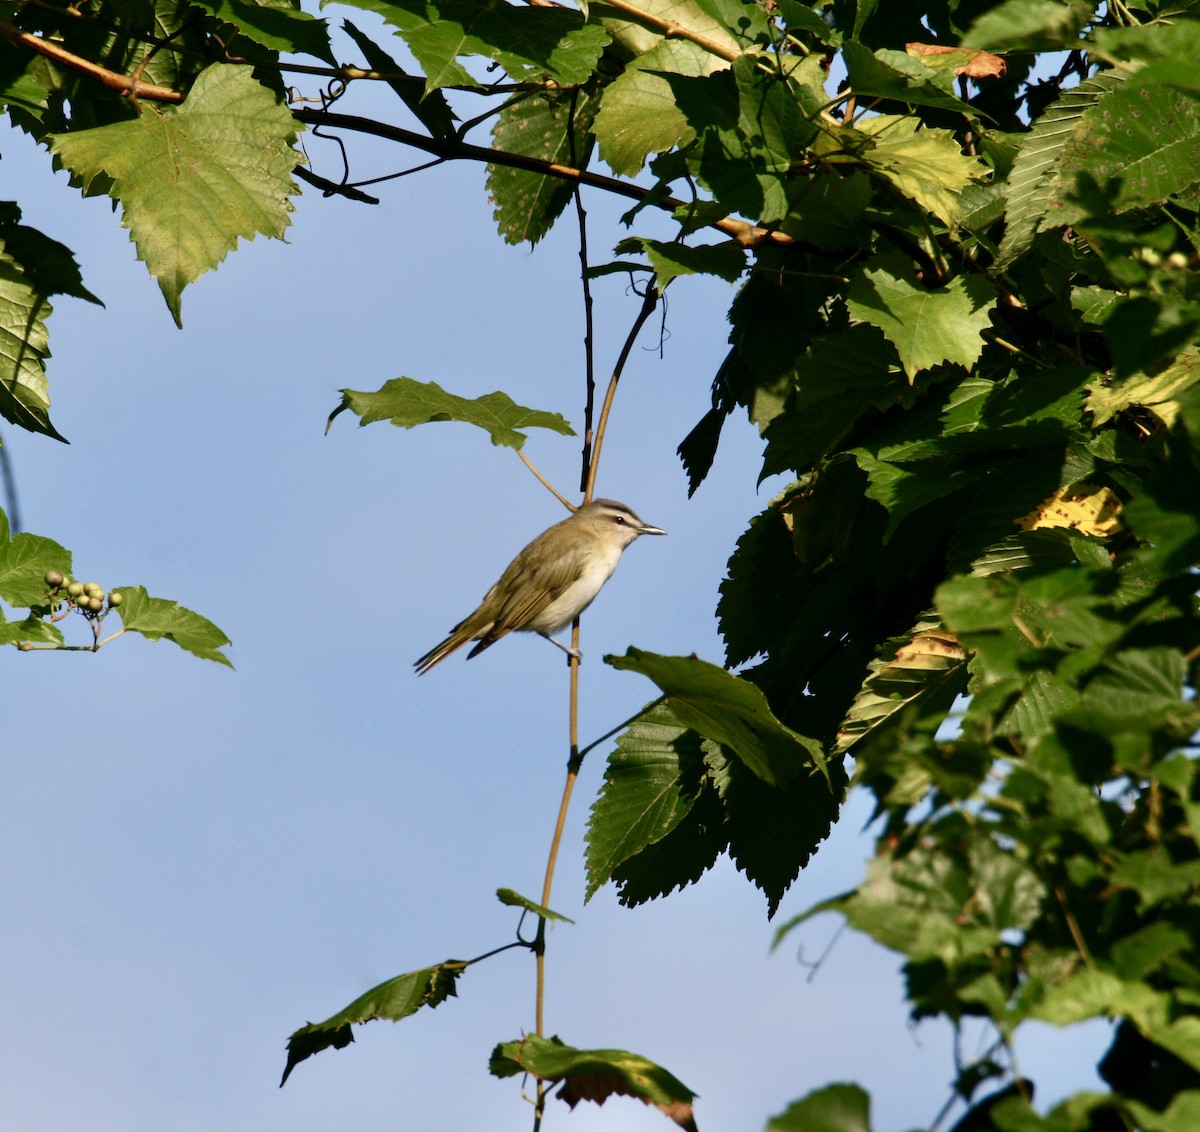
pixel 1033 171
pixel 927 326
pixel 670 260
pixel 900 76
pixel 407 403
pixel 652 780
pixel 1082 507
pixel 729 710
pixel 595 1074
pixel 429 106
pixel 24 560
pixel 192 180
pixel 395 999
pixel 686 15
pixel 1141 146
pixel 24 348
pixel 1158 392
pixel 281 27
pixel 639 115
pixel 157 617
pixel 30 629
pixel 927 166
pixel 553 127
pixel 928 664
pixel 526 41
pixel 1029 25
pixel 516 900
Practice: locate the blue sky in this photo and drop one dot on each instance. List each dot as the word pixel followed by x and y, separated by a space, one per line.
pixel 200 860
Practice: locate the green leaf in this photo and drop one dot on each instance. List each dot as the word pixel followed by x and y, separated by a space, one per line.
pixel 33 628
pixel 1157 392
pixel 1029 25
pixel 927 326
pixel 554 127
pixel 750 125
pixel 653 778
pixel 692 16
pixel 927 664
pixel 156 617
pixel 24 560
pixel 407 403
pixel 516 900
pixel 594 1074
pixel 527 42
pixel 395 999
pixel 728 710
pixel 897 75
pixel 1140 145
pixel 429 106
pixel 281 27
pixel 927 166
pixel 639 115
pixel 1033 173
pixel 24 348
pixel 193 179
pixel 670 260
pixel 834 1108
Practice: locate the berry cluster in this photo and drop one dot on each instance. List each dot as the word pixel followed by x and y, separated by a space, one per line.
pixel 88 597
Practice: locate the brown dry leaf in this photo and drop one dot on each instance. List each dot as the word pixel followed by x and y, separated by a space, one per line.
pixel 929 649
pixel 975 64
pixel 1083 507
pixel 598 1087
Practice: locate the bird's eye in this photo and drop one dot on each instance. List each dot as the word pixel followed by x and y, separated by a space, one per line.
pixel 619 519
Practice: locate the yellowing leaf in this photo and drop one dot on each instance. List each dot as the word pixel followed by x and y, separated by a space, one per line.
pixel 1082 507
pixel 927 166
pixel 1158 393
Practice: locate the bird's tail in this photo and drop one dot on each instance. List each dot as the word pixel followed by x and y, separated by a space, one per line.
pixel 438 653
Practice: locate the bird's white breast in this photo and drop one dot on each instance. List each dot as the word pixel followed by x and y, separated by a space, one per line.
pixel 579 594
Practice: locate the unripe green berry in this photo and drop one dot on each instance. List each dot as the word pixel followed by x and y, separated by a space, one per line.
pixel 81 600
pixel 54 579
pixel 75 589
pixel 93 589
pixel 115 599
pixel 95 604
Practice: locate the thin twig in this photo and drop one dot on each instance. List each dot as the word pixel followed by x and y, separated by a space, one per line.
pixel 546 483
pixel 649 302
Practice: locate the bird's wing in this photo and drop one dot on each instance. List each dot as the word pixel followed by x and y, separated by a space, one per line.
pixel 546 583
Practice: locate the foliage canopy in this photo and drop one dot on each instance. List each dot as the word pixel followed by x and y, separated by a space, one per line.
pixel 967 325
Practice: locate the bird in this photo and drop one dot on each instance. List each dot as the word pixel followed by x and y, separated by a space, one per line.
pixel 551 582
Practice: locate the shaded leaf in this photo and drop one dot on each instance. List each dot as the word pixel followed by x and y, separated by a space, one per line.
pixel 395 999
pixel 927 326
pixel 729 710
pixel 429 106
pixel 407 403
pixel 280 27
pixel 653 777
pixel 526 41
pixel 1029 25
pixel 24 560
pixel 595 1075
pixel 555 127
pixel 928 664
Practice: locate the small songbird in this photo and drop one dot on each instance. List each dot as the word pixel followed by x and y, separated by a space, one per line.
pixel 551 581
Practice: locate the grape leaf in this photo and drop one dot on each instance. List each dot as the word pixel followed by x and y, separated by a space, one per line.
pixel 193 179
pixel 157 617
pixel 927 326
pixel 407 403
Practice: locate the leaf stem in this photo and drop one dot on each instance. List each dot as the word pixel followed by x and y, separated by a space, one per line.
pixel 545 482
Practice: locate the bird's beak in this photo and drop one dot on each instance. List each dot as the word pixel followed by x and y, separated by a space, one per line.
pixel 646 529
